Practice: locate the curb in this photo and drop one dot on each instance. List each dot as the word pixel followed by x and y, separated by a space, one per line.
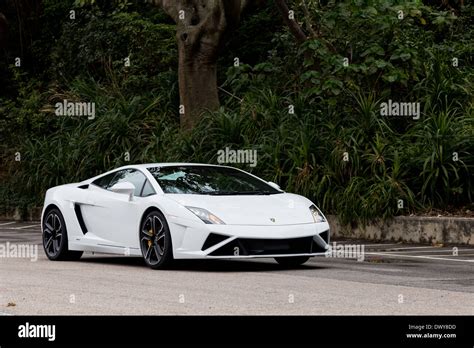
pixel 22 214
pixel 411 229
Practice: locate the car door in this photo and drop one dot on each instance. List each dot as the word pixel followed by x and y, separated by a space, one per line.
pixel 111 216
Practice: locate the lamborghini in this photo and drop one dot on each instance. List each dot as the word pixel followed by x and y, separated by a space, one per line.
pixel 169 211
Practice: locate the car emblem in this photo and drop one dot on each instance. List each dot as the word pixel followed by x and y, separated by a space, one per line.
pixel 272 219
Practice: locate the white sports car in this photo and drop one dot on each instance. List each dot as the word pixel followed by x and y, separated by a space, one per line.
pixel 169 211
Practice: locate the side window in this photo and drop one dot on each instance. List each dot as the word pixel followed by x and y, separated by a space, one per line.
pixel 131 175
pixel 148 189
pixel 118 177
pixel 104 181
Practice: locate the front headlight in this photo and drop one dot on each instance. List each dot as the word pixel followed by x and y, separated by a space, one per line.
pixel 206 216
pixel 317 215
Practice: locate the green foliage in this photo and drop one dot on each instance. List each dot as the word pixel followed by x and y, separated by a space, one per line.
pixel 395 165
pixel 335 148
pixel 97 44
pixel 126 126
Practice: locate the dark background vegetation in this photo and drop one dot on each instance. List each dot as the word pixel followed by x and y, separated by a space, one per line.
pixel 336 107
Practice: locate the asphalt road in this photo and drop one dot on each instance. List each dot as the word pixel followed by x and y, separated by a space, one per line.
pixel 391 279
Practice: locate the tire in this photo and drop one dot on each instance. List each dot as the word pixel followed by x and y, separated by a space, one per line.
pixel 292 261
pixel 54 235
pixel 155 241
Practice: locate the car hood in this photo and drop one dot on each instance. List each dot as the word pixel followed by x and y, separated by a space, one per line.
pixel 264 210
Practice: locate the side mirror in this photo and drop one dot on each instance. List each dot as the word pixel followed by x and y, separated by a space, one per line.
pixel 275 186
pixel 126 188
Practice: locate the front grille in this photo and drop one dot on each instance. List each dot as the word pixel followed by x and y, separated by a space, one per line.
pixel 250 246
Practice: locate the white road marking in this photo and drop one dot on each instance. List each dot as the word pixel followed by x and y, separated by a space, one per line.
pixel 433 251
pixel 24 227
pixel 383 244
pixel 382 269
pixel 455 255
pixel 419 247
pixel 418 257
pixel 8 223
pixel 367 245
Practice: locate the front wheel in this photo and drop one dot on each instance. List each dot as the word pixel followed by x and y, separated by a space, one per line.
pixel 155 241
pixel 55 241
pixel 292 261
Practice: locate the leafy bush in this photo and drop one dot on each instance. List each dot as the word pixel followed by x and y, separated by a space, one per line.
pixel 126 129
pixel 98 44
pixel 335 148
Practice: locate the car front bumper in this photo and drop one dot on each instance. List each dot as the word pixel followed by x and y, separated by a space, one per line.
pixel 197 240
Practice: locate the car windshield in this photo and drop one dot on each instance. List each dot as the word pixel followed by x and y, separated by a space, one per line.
pixel 209 180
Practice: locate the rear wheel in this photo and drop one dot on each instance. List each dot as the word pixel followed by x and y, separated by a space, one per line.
pixel 292 261
pixel 155 241
pixel 55 242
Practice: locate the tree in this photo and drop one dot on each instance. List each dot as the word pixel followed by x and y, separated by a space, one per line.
pixel 3 30
pixel 202 28
pixel 290 21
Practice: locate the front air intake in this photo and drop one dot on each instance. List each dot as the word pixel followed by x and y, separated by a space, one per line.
pixel 325 236
pixel 250 246
pixel 212 240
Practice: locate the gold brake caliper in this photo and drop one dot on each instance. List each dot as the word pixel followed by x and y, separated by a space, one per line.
pixel 150 242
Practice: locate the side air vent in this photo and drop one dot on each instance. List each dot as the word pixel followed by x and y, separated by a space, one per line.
pixel 80 219
pixel 212 240
pixel 84 187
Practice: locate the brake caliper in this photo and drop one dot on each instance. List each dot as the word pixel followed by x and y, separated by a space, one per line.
pixel 150 242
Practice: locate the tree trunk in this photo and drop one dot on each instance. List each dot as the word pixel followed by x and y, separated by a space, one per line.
pixel 197 79
pixel 202 26
pixel 3 31
pixel 293 25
